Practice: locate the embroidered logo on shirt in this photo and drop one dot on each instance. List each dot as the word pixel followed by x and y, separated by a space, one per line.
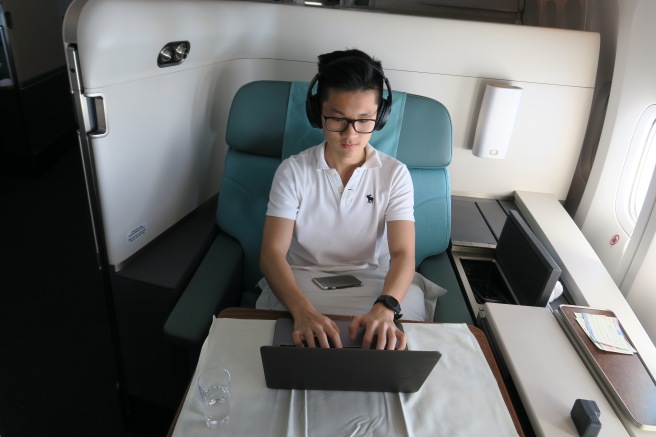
pixel 370 198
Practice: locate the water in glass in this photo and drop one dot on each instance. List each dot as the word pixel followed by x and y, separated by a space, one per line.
pixel 214 387
pixel 217 406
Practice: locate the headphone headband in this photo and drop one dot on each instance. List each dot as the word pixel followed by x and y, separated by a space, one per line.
pixel 313 103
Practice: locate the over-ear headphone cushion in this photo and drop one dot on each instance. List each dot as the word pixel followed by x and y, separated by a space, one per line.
pixel 313 106
pixel 314 111
pixel 385 108
pixel 383 114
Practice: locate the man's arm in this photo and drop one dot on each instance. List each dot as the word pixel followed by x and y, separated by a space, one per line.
pixel 308 322
pixel 380 320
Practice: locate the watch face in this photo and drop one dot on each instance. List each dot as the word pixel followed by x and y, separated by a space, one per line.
pixel 390 302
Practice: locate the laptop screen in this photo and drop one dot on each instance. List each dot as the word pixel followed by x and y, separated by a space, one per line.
pixel 530 270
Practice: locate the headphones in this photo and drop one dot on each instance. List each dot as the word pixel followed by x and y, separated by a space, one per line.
pixel 313 104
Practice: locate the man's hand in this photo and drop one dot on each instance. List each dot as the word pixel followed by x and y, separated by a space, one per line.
pixel 312 326
pixel 378 321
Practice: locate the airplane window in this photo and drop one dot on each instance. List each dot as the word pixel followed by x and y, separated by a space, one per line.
pixel 644 173
pixel 638 171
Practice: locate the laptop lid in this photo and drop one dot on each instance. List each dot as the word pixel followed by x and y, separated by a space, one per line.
pixel 347 369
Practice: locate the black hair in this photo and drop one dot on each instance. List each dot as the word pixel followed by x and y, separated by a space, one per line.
pixel 349 70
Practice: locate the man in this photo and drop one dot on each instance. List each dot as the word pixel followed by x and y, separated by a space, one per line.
pixel 342 206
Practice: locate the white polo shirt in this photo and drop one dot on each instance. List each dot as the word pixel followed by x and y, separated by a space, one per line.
pixel 341 227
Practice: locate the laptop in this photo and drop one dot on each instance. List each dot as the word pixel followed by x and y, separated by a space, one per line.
pixel 348 369
pixel 521 271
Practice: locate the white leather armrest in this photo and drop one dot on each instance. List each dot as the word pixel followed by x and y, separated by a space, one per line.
pixel 584 275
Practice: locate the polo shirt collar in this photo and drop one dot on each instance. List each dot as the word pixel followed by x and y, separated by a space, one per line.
pixel 372 160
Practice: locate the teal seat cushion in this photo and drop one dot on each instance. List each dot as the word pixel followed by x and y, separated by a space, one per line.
pixel 432 211
pixel 242 205
pixel 451 307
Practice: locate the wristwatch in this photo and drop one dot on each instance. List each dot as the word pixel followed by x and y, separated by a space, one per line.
pixel 391 303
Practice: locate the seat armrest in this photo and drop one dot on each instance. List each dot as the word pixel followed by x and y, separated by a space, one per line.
pixel 215 285
pixel 451 307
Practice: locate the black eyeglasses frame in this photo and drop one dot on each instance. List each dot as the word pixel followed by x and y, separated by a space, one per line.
pixel 348 122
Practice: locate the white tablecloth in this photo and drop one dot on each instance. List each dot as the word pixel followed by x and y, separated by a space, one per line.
pixel 459 398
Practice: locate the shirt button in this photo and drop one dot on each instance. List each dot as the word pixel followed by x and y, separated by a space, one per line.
pixel 340 189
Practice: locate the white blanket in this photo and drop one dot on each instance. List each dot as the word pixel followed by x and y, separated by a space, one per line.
pixel 459 398
pixel 418 304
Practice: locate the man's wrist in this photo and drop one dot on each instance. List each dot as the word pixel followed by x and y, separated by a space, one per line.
pixel 382 311
pixel 300 307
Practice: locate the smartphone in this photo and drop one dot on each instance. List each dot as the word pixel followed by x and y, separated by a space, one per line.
pixel 334 282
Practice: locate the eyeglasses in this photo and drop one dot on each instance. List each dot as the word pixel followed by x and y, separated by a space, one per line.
pixel 340 124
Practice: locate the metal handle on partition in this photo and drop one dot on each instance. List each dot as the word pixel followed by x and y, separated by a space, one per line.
pixel 90 109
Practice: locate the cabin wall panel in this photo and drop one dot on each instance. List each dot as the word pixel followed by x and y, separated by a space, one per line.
pixel 155 168
pixel 633 90
pixel 631 259
pixel 167 125
pixel 546 142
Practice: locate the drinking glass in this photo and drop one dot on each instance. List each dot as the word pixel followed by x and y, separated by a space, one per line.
pixel 214 387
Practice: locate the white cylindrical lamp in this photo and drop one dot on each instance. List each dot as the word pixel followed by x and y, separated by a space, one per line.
pixel 496 121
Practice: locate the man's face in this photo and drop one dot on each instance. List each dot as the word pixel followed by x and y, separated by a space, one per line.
pixel 348 145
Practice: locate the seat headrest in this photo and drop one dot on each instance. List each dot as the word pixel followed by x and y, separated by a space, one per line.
pixel 263 111
pixel 427 128
pixel 256 123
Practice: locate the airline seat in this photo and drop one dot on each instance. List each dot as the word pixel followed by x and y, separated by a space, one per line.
pixel 266 124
